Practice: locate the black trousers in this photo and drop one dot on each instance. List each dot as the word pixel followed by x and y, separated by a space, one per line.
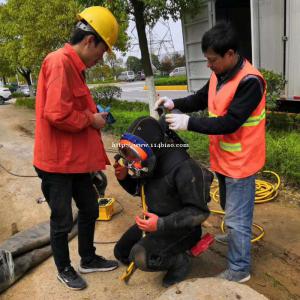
pixel 159 248
pixel 222 190
pixel 59 189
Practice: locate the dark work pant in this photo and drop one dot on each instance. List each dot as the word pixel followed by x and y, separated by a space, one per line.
pixel 222 190
pixel 59 189
pixel 159 248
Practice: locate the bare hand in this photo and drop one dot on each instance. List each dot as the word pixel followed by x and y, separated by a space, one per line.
pixel 120 171
pixel 99 120
pixel 148 225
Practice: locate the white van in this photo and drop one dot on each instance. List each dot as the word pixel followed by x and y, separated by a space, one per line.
pixel 126 76
pixel 181 71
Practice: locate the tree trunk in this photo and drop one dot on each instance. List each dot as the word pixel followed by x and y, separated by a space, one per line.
pixel 26 74
pixel 4 80
pixel 138 7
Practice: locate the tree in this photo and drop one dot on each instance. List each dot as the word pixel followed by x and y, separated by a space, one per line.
pixel 166 65
pixel 32 28
pixel 178 60
pixel 147 12
pixel 5 69
pixel 114 64
pixel 133 64
pixel 155 61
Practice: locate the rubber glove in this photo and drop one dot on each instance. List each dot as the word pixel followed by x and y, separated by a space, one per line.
pixel 165 101
pixel 148 225
pixel 177 121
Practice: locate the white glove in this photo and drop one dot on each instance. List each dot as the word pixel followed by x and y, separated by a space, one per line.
pixel 177 121
pixel 165 101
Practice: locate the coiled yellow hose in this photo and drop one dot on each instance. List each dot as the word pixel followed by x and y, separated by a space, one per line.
pixel 264 192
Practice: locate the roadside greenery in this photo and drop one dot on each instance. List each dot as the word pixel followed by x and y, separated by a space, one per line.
pixel 26 102
pixel 17 95
pixel 108 92
pixel 180 80
pixel 275 87
pixel 283 146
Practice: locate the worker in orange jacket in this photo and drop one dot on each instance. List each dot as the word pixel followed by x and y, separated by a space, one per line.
pixel 68 144
pixel 235 98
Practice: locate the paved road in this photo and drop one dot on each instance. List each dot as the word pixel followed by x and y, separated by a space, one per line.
pixel 134 91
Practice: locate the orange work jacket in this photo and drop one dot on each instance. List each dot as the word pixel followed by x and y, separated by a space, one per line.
pixel 65 141
pixel 242 153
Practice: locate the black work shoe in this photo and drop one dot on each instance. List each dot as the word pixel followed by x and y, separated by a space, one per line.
pixel 178 271
pixel 97 264
pixel 70 278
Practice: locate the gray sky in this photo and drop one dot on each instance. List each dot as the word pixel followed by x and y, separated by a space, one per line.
pixel 159 32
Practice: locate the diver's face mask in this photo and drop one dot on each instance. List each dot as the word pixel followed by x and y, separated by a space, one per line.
pixel 136 155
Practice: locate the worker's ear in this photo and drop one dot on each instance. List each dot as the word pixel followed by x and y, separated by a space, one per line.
pixel 230 53
pixel 89 40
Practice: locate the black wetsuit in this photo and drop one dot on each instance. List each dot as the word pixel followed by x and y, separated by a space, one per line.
pixel 178 192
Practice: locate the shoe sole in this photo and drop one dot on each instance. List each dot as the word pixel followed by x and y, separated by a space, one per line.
pixel 245 279
pixel 69 287
pixel 85 271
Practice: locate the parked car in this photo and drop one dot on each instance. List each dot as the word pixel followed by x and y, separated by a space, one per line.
pixel 126 76
pixel 140 75
pixel 181 71
pixel 24 89
pixel 5 94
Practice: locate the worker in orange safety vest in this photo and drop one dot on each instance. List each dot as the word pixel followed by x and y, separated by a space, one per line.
pixel 235 96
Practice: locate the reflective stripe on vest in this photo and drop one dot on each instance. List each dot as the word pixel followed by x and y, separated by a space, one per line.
pixel 251 121
pixel 237 147
pixel 254 121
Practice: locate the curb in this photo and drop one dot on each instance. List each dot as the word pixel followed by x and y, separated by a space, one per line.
pixel 169 87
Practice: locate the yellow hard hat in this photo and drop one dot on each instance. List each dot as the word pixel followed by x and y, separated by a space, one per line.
pixel 103 22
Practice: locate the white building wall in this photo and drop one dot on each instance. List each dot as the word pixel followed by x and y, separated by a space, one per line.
pixel 293 48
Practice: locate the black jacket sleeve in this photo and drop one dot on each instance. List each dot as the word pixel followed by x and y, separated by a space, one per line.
pixel 246 99
pixel 195 102
pixel 193 185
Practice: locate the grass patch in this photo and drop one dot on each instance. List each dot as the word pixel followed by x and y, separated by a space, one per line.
pixel 26 101
pixel 283 154
pixel 180 80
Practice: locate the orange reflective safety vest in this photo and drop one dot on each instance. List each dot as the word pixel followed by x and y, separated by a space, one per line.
pixel 242 153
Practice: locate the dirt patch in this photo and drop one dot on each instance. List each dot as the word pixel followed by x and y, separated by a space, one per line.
pixel 276 262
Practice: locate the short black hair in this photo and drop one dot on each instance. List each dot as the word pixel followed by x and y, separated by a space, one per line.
pixel 220 38
pixel 78 35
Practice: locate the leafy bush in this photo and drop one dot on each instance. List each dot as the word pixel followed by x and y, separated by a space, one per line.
pixel 12 87
pixel 180 80
pixel 275 86
pixel 27 102
pixel 107 92
pixel 282 120
pixel 105 81
pixel 123 105
pixel 17 95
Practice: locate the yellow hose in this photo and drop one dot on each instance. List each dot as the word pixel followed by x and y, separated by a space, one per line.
pixel 264 192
